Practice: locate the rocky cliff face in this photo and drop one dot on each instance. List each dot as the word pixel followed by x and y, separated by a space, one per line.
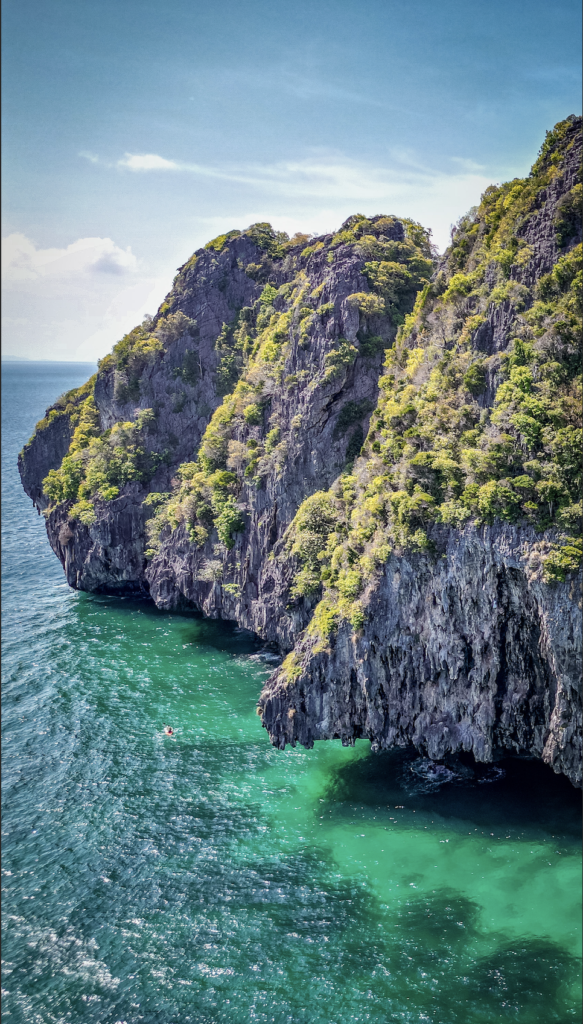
pixel 44 452
pixel 315 415
pixel 462 649
pixel 468 635
pixel 364 457
pixel 179 382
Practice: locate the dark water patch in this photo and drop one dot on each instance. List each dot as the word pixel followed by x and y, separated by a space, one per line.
pixel 441 923
pixel 518 794
pixel 517 980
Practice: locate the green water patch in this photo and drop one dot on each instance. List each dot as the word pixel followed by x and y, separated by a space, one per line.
pixel 209 877
pixel 505 838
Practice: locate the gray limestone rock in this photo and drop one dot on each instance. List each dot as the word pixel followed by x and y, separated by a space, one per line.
pixel 465 649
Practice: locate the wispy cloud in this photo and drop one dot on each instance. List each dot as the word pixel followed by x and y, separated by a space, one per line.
pixel 91 157
pixel 78 300
pixel 307 87
pixel 149 162
pixel 298 77
pixel 137 162
pixel 467 165
pixel 328 185
pixel 322 175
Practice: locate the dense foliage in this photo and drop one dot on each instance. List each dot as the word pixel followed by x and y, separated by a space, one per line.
pixel 99 463
pixel 243 439
pixel 69 404
pixel 459 436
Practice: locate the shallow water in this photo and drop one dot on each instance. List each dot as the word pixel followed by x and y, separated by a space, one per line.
pixel 210 878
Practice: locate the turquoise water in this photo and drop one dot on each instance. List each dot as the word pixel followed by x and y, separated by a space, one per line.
pixel 210 878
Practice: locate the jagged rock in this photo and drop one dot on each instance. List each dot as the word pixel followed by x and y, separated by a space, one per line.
pixel 465 649
pixel 108 556
pixel 44 452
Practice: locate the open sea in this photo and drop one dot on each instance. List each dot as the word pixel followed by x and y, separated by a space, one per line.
pixel 210 878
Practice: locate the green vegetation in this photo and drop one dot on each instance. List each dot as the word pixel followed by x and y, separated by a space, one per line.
pixel 219 243
pixel 233 345
pixel 317 247
pixel 434 452
pixel 190 370
pixel 339 359
pixel 242 440
pixel 98 464
pixel 568 216
pixel 69 404
pixel 317 538
pixel 291 669
pixel 355 443
pixel 352 412
pixel 563 560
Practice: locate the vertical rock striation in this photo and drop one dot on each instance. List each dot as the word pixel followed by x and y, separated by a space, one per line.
pixel 464 649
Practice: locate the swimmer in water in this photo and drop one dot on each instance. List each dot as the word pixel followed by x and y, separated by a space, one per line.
pixel 168 730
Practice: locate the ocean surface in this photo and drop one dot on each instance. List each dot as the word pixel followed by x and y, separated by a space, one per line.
pixel 211 878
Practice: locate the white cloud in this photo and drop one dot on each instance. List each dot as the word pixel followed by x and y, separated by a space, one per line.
pixel 148 162
pixel 23 261
pixel 337 178
pixel 322 175
pixel 75 302
pixel 436 201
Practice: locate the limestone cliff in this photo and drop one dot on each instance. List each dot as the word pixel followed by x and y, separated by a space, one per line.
pixel 364 455
pixel 464 648
pixel 449 614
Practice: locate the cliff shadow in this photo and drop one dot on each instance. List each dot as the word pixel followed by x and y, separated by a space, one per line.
pixel 222 634
pixel 521 794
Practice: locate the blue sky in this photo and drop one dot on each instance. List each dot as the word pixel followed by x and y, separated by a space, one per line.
pixel 135 131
